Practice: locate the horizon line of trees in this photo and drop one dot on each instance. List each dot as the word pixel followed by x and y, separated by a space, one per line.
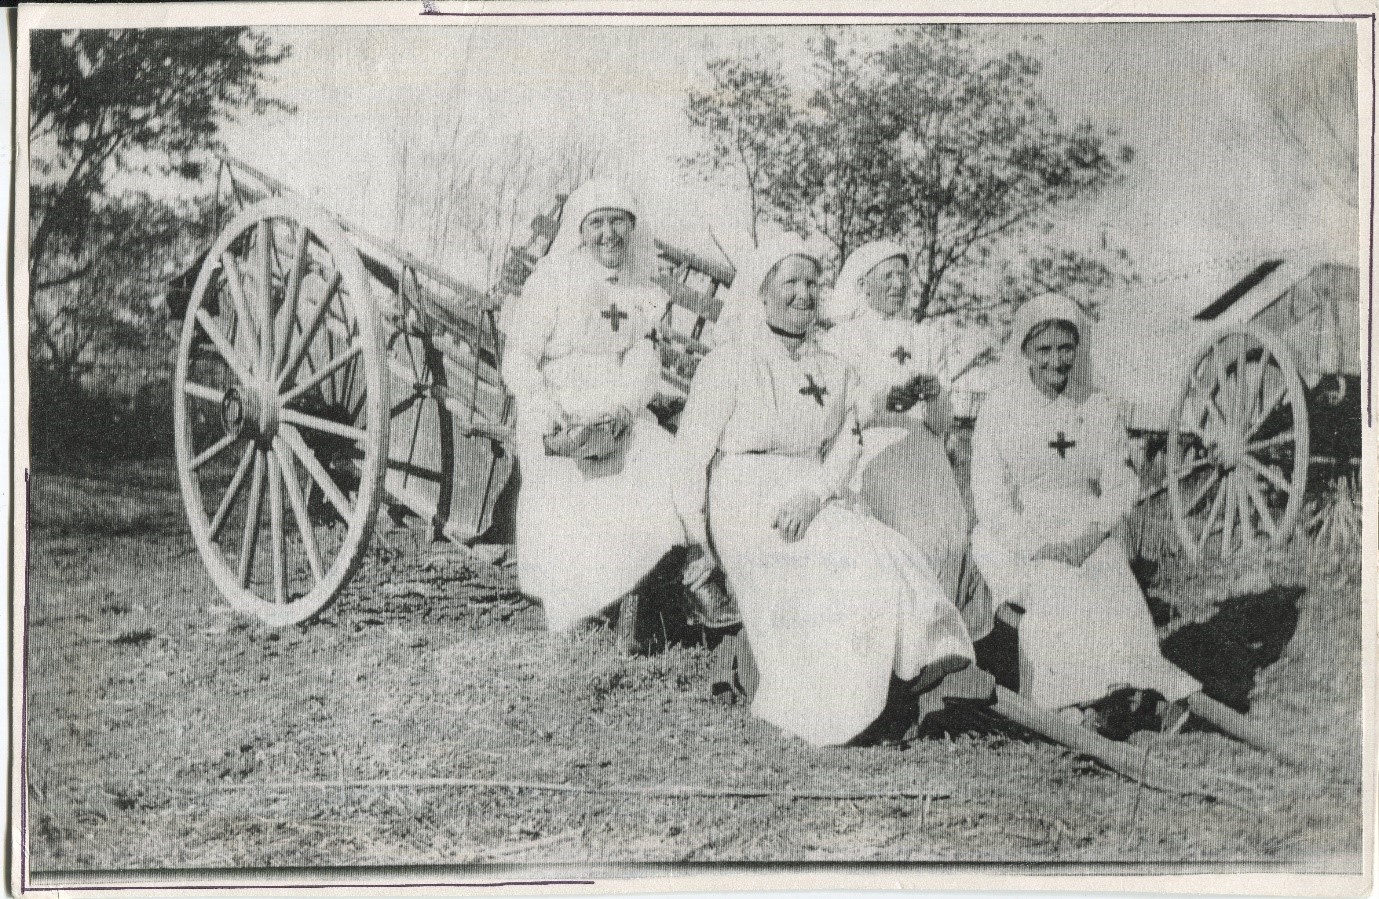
pixel 935 138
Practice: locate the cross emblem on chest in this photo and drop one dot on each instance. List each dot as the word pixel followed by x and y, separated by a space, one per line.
pixel 1062 444
pixel 613 314
pixel 901 354
pixel 857 429
pixel 812 389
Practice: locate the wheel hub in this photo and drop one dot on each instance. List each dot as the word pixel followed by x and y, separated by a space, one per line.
pixel 1231 449
pixel 246 412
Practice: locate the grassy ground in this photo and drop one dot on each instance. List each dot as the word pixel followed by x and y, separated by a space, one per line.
pixel 161 729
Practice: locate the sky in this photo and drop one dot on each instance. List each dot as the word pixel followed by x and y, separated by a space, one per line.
pixel 1211 182
pixel 1211 177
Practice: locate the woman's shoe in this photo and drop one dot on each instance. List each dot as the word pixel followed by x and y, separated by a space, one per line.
pixel 713 607
pixel 932 674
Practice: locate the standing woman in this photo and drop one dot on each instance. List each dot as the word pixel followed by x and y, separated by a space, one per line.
pixel 904 476
pixel 833 602
pixel 594 512
pixel 1053 485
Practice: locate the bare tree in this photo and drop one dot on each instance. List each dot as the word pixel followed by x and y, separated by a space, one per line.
pixel 465 192
pixel 1315 108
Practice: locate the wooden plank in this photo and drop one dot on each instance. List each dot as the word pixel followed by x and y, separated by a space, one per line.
pixel 687 297
pixel 464 293
pixel 1234 724
pixel 1125 760
pixel 687 344
pixel 718 271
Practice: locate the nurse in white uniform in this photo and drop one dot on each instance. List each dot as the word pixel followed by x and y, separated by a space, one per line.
pixel 904 476
pixel 580 348
pixel 1053 485
pixel 833 603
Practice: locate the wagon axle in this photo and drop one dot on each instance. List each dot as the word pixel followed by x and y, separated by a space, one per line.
pixel 251 412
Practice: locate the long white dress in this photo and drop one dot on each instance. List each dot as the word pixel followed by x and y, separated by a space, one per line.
pixel 832 616
pixel 1043 470
pixel 904 474
pixel 578 342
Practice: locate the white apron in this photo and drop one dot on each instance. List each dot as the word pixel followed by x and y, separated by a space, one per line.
pixel 1042 471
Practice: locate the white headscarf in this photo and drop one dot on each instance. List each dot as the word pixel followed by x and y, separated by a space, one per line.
pixel 744 312
pixel 849 292
pixel 605 193
pixel 1049 307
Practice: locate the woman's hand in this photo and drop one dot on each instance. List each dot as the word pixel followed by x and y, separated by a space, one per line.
pixel 795 515
pixel 623 417
pixel 1081 549
pixel 920 388
pixel 1073 552
pixel 900 399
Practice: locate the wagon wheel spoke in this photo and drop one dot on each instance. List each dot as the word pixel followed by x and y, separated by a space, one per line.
pixel 227 501
pixel 294 442
pixel 1195 466
pixel 1229 515
pixel 1267 408
pixel 1219 366
pixel 1268 474
pixel 1209 524
pixel 237 364
pixel 1242 349
pixel 1212 480
pixel 325 371
pixel 1218 418
pixel 324 425
pixel 265 308
pixel 1270 443
pixel 287 315
pixel 275 526
pixel 212 451
pixel 249 542
pixel 1246 528
pixel 299 511
pixel 203 392
pixel 1254 388
pixel 1256 497
pixel 309 332
pixel 230 267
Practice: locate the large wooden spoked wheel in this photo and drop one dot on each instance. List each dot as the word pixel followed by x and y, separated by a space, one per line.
pixel 280 411
pixel 1238 445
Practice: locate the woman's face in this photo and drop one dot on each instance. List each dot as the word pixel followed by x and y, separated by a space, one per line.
pixel 605 232
pixel 888 286
pixel 791 294
pixel 1051 354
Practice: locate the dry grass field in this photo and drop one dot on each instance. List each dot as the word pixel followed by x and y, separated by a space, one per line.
pixel 164 731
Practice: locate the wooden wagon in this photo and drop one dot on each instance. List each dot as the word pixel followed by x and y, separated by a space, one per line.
pixel 1265 389
pixel 324 374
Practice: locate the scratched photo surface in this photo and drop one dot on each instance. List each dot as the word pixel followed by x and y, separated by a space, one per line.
pixel 286 607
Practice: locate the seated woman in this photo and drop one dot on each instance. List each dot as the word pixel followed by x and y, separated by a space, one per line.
pixel 833 602
pixel 1052 482
pixel 904 476
pixel 594 511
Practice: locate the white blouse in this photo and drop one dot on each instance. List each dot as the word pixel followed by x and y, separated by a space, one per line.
pixel 1036 459
pixel 581 341
pixel 753 395
pixel 889 352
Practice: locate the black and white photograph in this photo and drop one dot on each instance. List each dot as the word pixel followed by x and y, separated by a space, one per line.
pixel 556 447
